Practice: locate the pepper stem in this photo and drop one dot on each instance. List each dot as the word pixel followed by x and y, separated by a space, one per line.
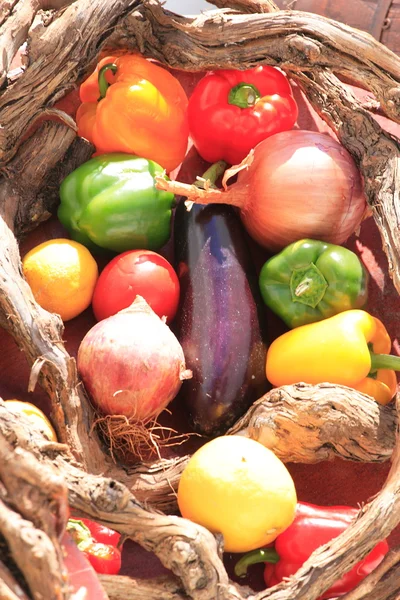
pixel 103 83
pixel 268 555
pixel 244 95
pixel 212 174
pixel 384 361
pixel 78 531
pixel 303 287
pixel 308 285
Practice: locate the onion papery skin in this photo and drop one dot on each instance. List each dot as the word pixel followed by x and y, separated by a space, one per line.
pixel 295 184
pixel 131 363
pixel 300 184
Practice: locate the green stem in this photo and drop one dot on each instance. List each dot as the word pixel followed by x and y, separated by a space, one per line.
pixel 308 285
pixel 244 95
pixel 213 173
pixel 78 531
pixel 268 555
pixel 103 83
pixel 384 361
pixel 303 287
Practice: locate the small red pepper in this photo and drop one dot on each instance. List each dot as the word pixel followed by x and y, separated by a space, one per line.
pixel 312 527
pixel 104 558
pixel 101 533
pixel 231 111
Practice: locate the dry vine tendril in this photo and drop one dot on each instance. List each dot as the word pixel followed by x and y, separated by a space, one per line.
pixel 312 50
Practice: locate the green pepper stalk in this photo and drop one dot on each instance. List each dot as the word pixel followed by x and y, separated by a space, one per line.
pixel 262 555
pixel 244 95
pixel 103 83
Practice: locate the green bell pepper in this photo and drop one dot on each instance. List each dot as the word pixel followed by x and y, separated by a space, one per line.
pixel 111 202
pixel 311 280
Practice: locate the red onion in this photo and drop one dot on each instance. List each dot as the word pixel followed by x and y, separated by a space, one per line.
pixel 131 363
pixel 295 184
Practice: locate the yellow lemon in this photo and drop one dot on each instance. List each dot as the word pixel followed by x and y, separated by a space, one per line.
pixel 35 415
pixel 235 486
pixel 62 275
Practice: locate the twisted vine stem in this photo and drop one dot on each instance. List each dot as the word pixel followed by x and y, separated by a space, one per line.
pixel 62 46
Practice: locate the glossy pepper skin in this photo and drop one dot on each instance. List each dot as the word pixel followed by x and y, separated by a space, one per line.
pixel 132 105
pixel 231 111
pixel 311 280
pixel 312 527
pixel 111 202
pixel 104 558
pixel 350 348
pixel 101 533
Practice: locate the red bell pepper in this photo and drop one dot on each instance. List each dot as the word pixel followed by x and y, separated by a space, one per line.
pixel 104 558
pixel 312 527
pixel 231 111
pixel 101 533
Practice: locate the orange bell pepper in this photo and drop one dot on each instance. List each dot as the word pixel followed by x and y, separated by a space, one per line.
pixel 132 105
pixel 350 348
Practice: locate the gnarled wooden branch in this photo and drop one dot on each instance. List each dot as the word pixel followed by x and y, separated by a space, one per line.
pixel 219 39
pixel 119 587
pixel 35 491
pixel 248 6
pixel 15 21
pixel 304 423
pixel 33 541
pixel 35 330
pixel 10 589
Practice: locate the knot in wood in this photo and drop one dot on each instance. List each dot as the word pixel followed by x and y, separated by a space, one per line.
pixel 110 495
pixel 308 48
pixel 393 97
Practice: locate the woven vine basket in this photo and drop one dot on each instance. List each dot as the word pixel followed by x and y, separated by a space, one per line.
pixel 40 481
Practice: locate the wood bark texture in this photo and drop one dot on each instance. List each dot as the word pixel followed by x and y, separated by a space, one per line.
pixel 62 42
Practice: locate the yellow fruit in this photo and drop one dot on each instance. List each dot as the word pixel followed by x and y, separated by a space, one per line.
pixel 235 486
pixel 62 275
pixel 35 415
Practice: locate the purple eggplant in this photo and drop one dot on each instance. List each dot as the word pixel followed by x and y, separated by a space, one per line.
pixel 221 321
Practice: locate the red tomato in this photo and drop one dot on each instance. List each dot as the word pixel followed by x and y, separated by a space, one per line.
pixel 101 533
pixel 136 273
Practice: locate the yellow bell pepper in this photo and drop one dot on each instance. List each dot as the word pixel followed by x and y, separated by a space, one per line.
pixel 350 348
